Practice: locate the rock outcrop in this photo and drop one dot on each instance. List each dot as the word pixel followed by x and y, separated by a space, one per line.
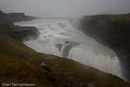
pixel 19 17
pixel 14 17
pixel 19 33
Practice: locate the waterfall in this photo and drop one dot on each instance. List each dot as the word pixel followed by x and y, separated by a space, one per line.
pixel 59 37
pixel 104 63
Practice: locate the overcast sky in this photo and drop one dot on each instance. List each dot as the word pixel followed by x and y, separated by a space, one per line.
pixel 65 7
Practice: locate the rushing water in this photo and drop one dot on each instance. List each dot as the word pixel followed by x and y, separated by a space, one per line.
pixel 59 37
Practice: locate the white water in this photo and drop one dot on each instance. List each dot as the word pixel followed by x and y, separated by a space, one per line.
pixel 87 51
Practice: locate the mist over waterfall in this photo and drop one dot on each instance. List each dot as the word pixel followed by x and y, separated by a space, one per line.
pixel 59 37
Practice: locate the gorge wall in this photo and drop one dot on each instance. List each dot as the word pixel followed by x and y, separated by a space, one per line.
pixel 113 31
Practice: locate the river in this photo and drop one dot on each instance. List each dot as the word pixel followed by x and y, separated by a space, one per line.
pixel 59 37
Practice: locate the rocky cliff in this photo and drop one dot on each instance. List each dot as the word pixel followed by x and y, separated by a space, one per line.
pixel 113 31
pixel 7 27
pixel 14 17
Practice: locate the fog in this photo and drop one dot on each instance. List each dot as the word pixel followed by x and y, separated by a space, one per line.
pixel 65 8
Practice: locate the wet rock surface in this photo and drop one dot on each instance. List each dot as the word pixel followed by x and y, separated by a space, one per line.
pixel 25 33
pixel 66 47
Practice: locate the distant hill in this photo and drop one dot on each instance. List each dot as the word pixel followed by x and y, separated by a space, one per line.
pixel 15 17
pixel 19 17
